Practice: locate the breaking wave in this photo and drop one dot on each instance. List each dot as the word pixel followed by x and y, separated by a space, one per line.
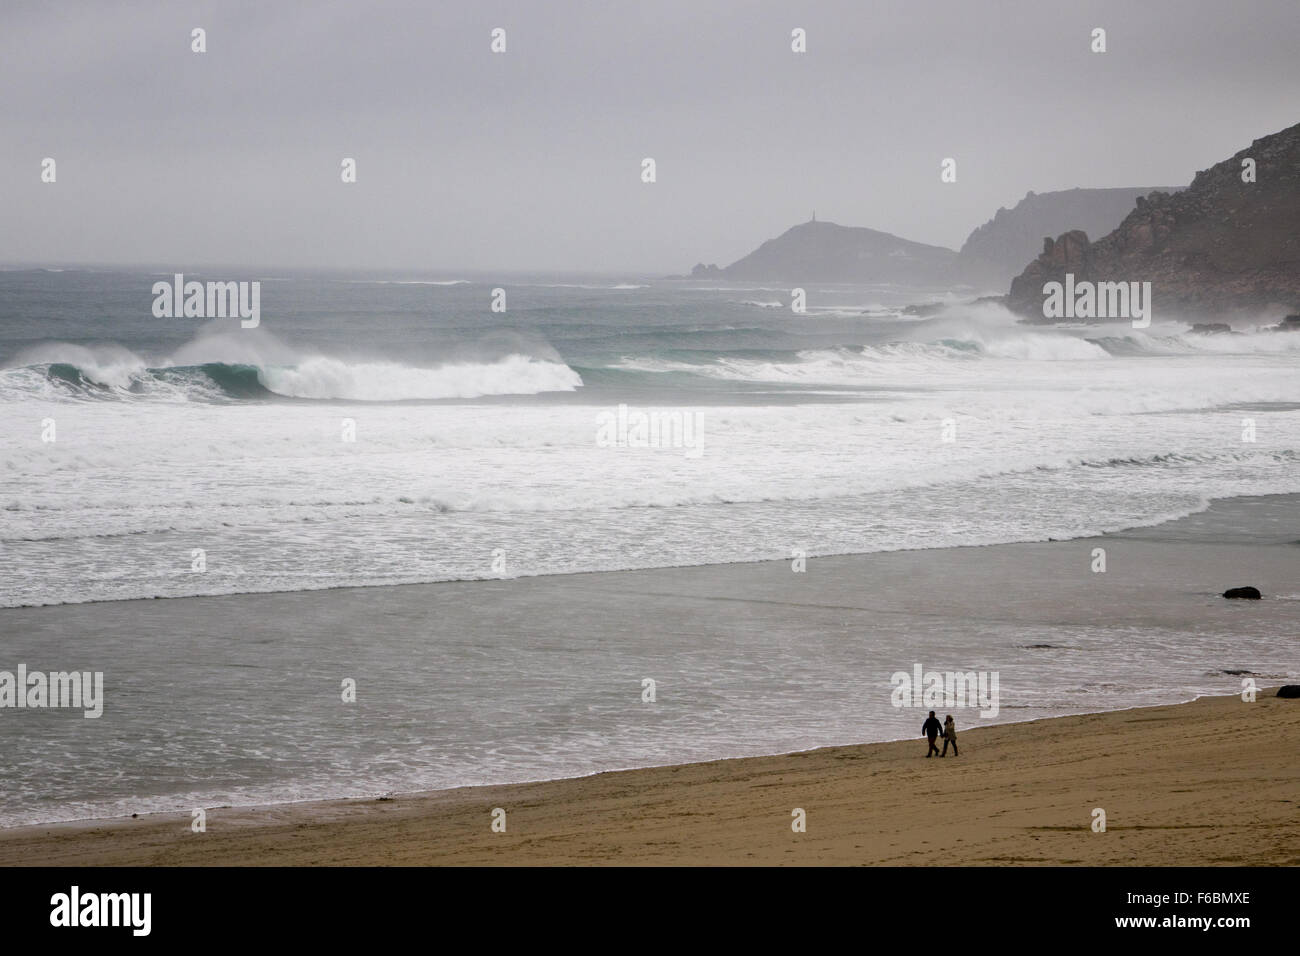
pixel 316 378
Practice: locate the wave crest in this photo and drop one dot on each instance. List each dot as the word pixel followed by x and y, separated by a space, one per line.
pixel 326 378
pixel 316 378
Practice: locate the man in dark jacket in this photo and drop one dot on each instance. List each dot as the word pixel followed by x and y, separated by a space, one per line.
pixel 931 729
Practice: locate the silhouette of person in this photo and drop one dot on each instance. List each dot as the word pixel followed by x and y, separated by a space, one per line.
pixel 949 737
pixel 931 730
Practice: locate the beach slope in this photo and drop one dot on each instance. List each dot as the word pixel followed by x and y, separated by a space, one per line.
pixel 1211 782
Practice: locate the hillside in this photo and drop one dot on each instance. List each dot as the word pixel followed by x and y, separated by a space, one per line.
pixel 1218 248
pixel 998 250
pixel 825 252
pixel 991 256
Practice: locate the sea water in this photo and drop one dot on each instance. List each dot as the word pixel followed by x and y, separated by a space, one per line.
pixel 383 430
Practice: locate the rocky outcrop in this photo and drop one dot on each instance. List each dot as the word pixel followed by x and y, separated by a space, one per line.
pixel 1289 690
pixel 1069 254
pixel 826 252
pixel 1220 247
pixel 999 249
pixel 992 254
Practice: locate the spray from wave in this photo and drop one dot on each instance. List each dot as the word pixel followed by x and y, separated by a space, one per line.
pixel 242 367
pixel 966 341
pixel 324 378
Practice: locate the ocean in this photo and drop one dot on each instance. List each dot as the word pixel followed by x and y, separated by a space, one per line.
pixel 396 430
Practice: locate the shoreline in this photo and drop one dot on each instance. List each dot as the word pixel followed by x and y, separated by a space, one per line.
pixel 388 796
pixel 846 625
pixel 1211 788
pixel 1210 504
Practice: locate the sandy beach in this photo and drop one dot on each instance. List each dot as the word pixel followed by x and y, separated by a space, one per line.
pixel 1209 782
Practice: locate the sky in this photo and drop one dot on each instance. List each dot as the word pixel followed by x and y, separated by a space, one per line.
pixel 531 159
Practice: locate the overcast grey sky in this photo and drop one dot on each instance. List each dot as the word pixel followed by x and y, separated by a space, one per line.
pixel 531 159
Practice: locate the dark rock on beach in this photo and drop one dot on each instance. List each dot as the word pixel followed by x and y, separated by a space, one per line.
pixel 1249 593
pixel 1290 690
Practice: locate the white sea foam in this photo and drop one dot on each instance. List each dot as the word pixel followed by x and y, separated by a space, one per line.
pixel 281 369
pixel 387 381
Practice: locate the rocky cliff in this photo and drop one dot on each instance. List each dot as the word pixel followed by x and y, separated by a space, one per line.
pixel 998 250
pixel 1221 247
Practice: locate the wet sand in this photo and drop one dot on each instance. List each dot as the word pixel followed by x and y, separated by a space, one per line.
pixel 1211 782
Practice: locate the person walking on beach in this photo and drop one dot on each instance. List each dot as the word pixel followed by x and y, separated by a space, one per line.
pixel 931 730
pixel 949 737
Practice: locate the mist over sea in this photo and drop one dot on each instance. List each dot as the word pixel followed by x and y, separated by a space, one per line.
pixel 853 428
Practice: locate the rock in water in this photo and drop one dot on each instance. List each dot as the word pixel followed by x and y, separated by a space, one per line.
pixel 1290 690
pixel 1249 593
